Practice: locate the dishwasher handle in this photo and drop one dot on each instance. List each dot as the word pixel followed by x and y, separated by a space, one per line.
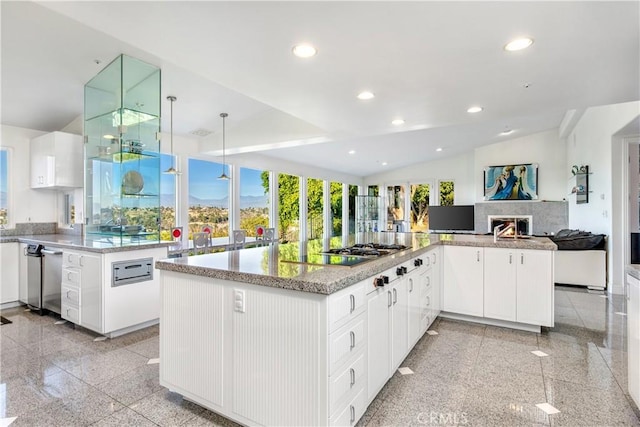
pixel 52 251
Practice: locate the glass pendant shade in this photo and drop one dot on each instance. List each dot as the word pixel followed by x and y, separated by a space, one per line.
pixel 223 176
pixel 172 170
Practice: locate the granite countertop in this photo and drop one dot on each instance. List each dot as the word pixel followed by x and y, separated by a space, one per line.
pixel 633 270
pixel 89 244
pixel 277 265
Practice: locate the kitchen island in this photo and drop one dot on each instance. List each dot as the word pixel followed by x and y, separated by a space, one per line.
pixel 92 296
pixel 282 335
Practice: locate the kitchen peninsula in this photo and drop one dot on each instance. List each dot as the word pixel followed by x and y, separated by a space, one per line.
pixel 91 294
pixel 276 335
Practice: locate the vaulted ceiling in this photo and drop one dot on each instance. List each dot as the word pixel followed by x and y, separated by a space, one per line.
pixel 426 62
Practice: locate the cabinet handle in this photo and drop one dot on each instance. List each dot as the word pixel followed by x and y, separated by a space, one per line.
pixel 80 260
pixel 389 295
pixel 352 300
pixel 510 258
pixel 353 413
pixel 68 275
pixel 68 295
pixel 395 296
pixel 478 256
pixel 353 376
pixel 428 261
pixel 434 257
pixel 428 301
pixel 352 336
pixel 521 258
pixel 428 281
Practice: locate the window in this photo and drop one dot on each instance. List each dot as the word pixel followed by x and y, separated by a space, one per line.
pixel 254 197
pixel 336 208
pixel 420 207
pixel 167 198
pixel 353 192
pixel 288 207
pixel 208 198
pixel 373 190
pixel 315 203
pixel 4 188
pixel 446 193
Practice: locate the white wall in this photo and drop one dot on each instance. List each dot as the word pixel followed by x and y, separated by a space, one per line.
pixel 544 148
pixel 592 142
pixel 457 168
pixel 25 204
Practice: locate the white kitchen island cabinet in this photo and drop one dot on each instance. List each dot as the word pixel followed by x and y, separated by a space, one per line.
pixel 463 269
pixel 264 340
pixel 633 331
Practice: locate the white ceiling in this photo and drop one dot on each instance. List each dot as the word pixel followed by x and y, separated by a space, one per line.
pixel 427 62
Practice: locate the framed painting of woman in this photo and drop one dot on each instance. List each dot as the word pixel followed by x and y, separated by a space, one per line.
pixel 511 182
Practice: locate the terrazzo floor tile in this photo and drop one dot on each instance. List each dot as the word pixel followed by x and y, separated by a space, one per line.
pixel 36 368
pixel 511 335
pixel 53 414
pixel 617 361
pixel 91 405
pixel 50 345
pixel 166 408
pixel 72 356
pixel 508 356
pixel 106 366
pixel 515 386
pixel 457 325
pixel 125 417
pixel 503 413
pixel 209 418
pixel 133 385
pixel 590 370
pixel 588 406
pixel 149 348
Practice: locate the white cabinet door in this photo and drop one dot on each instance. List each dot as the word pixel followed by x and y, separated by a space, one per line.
pixel 500 283
pixel 534 293
pixel 399 321
pixel 91 292
pixel 633 337
pixel 463 280
pixel 378 340
pixel 9 285
pixel 435 261
pixel 57 161
pixel 22 274
pixel 416 291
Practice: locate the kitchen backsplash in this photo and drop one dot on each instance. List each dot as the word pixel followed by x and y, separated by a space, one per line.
pixel 30 228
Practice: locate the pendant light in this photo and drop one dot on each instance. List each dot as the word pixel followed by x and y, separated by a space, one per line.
pixel 224 164
pixel 172 170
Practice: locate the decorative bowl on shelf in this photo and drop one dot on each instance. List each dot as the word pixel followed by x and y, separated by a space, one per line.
pixel 132 182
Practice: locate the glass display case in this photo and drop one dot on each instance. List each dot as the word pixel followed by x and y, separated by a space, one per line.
pixel 367 213
pixel 122 152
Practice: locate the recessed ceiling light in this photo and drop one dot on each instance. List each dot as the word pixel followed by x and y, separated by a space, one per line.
pixel 304 50
pixel 365 95
pixel 352 151
pixel 397 122
pixel 439 149
pixel 108 137
pixel 518 44
pixel 474 110
pixel 384 163
pixel 506 132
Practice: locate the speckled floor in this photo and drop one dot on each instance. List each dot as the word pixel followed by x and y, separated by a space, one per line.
pixel 54 375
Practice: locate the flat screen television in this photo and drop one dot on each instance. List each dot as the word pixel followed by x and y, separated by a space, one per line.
pixel 451 218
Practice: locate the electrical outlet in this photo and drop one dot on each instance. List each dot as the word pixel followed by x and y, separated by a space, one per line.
pixel 238 301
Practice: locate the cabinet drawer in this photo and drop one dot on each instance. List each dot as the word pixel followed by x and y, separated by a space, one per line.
pixel 71 259
pixel 343 384
pixel 70 296
pixel 346 342
pixel 70 313
pixel 351 412
pixel 71 276
pixel 345 305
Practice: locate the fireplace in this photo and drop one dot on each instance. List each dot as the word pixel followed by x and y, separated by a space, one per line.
pixel 523 224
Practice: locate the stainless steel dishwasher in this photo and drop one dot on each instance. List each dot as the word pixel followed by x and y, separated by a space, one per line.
pixel 52 279
pixel 34 277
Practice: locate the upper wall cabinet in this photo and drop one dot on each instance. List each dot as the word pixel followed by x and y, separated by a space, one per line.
pixel 57 161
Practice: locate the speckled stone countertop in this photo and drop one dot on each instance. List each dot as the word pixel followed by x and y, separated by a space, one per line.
pixel 278 265
pixel 633 270
pixel 98 244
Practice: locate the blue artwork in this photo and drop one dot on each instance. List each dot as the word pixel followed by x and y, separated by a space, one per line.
pixel 511 182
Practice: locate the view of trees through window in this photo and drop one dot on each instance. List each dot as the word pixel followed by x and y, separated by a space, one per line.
pixel 420 207
pixel 208 198
pixel 4 191
pixel 254 198
pixel 167 199
pixel 336 208
pixel 288 205
pixel 446 193
pixel 315 204
pixel 353 192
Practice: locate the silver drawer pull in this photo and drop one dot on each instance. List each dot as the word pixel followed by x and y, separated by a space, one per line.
pixel 395 296
pixel 353 376
pixel 478 256
pixel 411 285
pixel 353 414
pixel 428 301
pixel 352 299
pixel 521 258
pixel 510 258
pixel 353 340
pixel 434 258
pixel 389 295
